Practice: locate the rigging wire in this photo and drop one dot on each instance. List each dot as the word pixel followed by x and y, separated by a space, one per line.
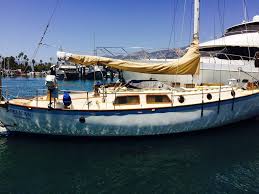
pixel 221 20
pixel 221 14
pixel 181 36
pixel 172 33
pixel 175 5
pixel 183 19
pixel 246 17
pixel 246 20
pixel 214 29
pixel 44 33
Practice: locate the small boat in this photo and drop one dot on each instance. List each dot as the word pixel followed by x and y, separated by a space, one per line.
pixel 96 72
pixel 67 72
pixel 136 108
pixel 60 74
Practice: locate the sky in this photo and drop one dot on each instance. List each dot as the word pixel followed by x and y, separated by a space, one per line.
pixel 127 23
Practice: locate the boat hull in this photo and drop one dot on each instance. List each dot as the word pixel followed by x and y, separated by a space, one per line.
pixel 71 76
pixel 128 122
pixel 98 75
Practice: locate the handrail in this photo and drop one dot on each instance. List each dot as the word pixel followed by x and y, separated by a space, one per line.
pixel 212 54
pixel 239 32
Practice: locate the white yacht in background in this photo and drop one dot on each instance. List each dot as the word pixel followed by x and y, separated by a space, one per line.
pixel 67 71
pixel 96 72
pixel 232 55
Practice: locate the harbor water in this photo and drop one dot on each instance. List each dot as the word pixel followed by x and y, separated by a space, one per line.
pixel 220 160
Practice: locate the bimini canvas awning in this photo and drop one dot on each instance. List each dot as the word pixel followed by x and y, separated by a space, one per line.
pixel 189 64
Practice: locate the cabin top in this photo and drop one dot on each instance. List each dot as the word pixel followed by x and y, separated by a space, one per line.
pixel 245 27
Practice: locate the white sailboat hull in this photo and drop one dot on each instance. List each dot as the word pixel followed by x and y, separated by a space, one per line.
pixel 129 122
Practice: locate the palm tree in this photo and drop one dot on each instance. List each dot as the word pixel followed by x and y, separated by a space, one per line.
pixel 27 61
pixel 1 58
pixel 20 55
pixel 1 62
pixel 25 57
pixel 33 62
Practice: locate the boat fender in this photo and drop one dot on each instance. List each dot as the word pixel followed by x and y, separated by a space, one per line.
pixel 233 93
pixel 82 119
pixel 67 99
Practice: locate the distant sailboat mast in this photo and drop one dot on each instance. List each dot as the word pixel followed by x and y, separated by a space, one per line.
pixel 196 19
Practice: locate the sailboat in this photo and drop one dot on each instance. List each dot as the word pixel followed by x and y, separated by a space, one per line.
pixel 136 108
pixel 231 55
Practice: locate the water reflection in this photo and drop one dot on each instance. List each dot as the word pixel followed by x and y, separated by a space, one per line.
pixel 214 161
pixel 223 160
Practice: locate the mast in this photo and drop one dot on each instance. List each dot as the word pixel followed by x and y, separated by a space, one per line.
pixel 95 51
pixel 196 19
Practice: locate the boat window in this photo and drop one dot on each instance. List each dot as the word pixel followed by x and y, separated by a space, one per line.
pixel 229 52
pixel 154 99
pixel 126 100
pixel 233 93
pixel 243 28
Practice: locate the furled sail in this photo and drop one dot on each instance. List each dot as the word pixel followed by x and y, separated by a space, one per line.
pixel 189 64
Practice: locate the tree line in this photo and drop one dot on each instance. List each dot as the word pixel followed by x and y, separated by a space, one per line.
pixel 21 61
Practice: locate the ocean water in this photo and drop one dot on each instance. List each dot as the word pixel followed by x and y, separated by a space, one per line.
pixel 25 87
pixel 220 160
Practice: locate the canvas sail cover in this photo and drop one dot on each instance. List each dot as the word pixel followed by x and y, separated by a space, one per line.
pixel 189 64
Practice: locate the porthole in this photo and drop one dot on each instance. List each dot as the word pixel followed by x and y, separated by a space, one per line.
pixel 233 93
pixel 181 99
pixel 209 96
